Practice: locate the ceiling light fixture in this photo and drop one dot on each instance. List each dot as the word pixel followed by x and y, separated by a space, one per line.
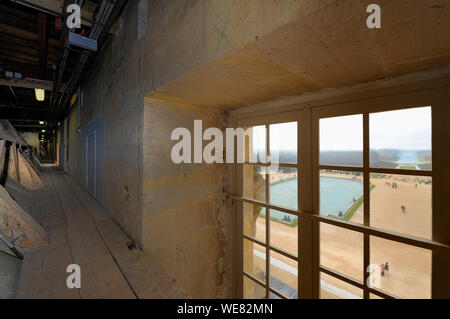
pixel 40 94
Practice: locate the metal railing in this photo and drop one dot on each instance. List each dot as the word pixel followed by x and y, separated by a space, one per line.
pixel 372 231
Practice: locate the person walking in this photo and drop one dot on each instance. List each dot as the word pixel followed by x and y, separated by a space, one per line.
pixel 386 268
pixel 382 270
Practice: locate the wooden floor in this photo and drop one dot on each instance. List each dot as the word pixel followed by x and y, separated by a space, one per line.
pixel 81 232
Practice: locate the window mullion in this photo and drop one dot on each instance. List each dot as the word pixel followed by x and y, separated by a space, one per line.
pixel 366 174
pixel 267 215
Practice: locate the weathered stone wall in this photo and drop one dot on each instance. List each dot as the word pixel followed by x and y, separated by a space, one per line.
pixel 75 154
pixel 111 90
pixel 186 222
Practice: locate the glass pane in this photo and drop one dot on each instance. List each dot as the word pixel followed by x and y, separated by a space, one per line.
pixel 341 195
pixel 341 250
pixel 255 260
pixel 401 139
pixel 341 141
pixel 284 231
pixel 283 187
pixel 408 274
pixel 373 296
pixel 255 182
pixel 253 290
pixel 255 221
pixel 283 142
pixel 273 296
pixel 284 275
pixel 402 204
pixel 333 288
pixel 256 146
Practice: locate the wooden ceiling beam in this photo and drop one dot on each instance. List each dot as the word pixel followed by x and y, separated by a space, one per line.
pixel 24 34
pixel 20 57
pixel 51 5
pixel 30 126
pixel 27 24
pixel 17 115
pixel 15 107
pixel 12 10
pixel 42 38
pixel 87 11
pixel 17 56
pixel 10 39
pixel 18 48
pixel 27 83
pixel 28 70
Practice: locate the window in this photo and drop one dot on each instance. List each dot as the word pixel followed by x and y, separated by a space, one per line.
pixel 271 236
pixel 341 141
pixel 395 178
pixel 349 214
pixel 401 139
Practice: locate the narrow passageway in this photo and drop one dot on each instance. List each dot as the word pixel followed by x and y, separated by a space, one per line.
pixel 224 150
pixel 81 232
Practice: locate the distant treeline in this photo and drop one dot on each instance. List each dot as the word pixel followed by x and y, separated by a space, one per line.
pixel 386 158
pixel 345 158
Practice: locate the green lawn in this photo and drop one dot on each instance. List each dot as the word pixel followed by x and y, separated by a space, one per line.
pixel 355 207
pixel 291 224
pixel 408 167
pixel 422 160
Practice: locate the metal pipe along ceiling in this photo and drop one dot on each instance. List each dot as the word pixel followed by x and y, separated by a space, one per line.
pixel 105 16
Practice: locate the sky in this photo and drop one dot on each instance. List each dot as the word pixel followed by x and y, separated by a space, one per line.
pixel 282 136
pixel 408 129
pixel 403 129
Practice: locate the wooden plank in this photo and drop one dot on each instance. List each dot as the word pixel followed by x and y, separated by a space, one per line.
pixel 138 266
pixel 2 156
pixel 44 273
pixel 101 278
pixel 16 160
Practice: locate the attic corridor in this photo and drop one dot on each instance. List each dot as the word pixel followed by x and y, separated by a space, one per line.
pixel 216 149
